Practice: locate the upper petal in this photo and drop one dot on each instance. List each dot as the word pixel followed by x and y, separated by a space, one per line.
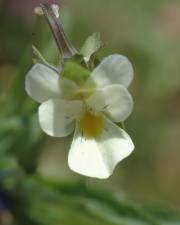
pixel 56 116
pixel 114 69
pixel 114 100
pixel 98 157
pixel 42 83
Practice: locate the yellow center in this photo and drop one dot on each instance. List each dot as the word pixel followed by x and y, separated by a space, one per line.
pixel 91 125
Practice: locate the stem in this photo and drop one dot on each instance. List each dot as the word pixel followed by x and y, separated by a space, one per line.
pixel 66 48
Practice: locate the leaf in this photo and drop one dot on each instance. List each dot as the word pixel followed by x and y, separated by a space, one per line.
pixel 91 46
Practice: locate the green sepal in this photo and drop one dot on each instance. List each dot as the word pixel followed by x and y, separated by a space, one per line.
pixel 73 71
pixel 38 58
pixel 91 46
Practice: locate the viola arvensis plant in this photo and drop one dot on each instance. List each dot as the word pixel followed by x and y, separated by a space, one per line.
pixel 88 104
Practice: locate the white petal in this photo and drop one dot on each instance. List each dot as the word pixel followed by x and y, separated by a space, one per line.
pixel 119 103
pixel 98 157
pixel 116 144
pixel 68 87
pixel 114 69
pixel 114 100
pixel 57 116
pixel 42 83
pixel 96 102
pixel 85 157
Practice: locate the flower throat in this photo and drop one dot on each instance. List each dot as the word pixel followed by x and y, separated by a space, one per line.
pixel 91 125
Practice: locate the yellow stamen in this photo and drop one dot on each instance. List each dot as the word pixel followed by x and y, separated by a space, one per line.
pixel 91 125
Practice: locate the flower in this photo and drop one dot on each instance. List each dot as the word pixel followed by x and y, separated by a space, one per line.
pixel 92 109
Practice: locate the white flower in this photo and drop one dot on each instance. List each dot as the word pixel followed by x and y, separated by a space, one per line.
pixel 92 110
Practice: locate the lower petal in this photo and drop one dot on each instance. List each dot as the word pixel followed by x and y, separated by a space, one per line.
pixel 115 145
pixel 98 157
pixel 85 157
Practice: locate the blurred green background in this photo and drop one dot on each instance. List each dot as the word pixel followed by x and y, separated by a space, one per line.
pixel 148 33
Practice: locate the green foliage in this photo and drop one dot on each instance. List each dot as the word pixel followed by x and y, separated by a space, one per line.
pixel 20 135
pixel 7 163
pixel 51 202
